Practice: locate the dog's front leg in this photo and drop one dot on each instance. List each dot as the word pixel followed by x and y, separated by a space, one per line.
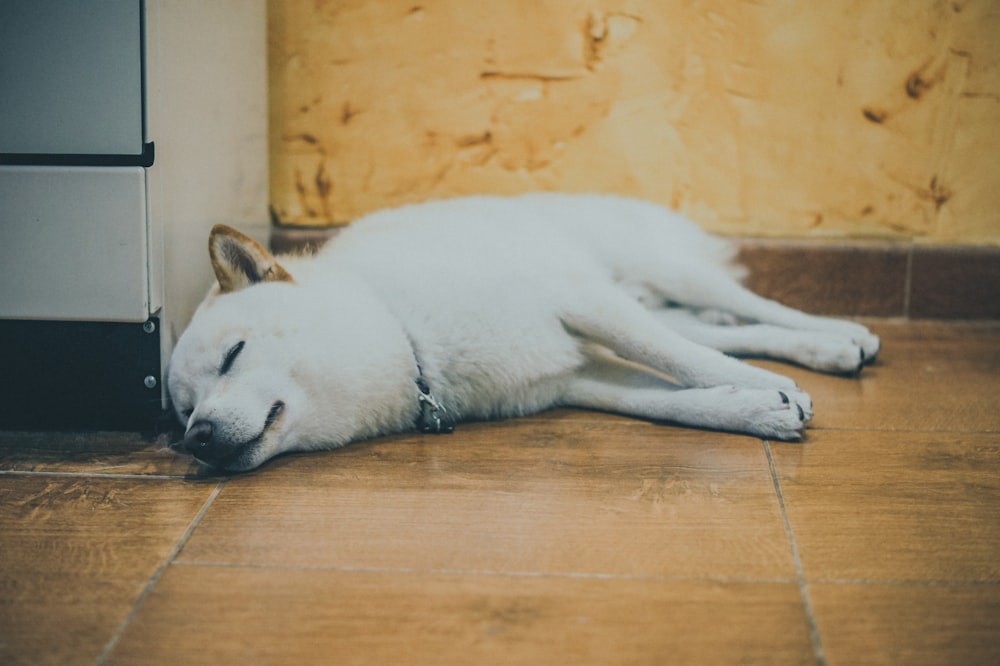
pixel 609 385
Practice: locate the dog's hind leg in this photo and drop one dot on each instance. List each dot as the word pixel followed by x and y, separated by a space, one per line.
pixel 706 286
pixel 813 349
pixel 614 387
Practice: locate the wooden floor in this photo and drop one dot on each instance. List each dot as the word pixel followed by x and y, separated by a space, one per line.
pixel 567 538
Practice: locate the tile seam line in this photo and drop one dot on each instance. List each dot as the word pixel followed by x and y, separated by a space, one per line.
pixel 937 431
pixel 889 582
pixel 96 475
pixel 333 568
pixel 116 637
pixel 908 281
pixel 486 572
pixel 814 635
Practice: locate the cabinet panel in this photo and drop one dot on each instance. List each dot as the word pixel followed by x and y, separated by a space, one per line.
pixel 71 77
pixel 73 243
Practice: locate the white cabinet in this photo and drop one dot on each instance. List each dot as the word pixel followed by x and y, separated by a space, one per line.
pixel 79 333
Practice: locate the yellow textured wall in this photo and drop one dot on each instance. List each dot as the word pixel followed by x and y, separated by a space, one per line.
pixel 774 118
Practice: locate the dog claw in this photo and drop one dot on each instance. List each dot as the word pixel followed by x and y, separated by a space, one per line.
pixel 861 364
pixel 784 399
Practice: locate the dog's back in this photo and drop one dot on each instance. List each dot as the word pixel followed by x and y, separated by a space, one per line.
pixel 534 235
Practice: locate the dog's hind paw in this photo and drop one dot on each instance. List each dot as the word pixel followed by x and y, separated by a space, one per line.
pixel 861 337
pixel 826 352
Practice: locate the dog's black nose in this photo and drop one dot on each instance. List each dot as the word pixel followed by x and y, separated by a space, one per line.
pixel 198 437
pixel 208 443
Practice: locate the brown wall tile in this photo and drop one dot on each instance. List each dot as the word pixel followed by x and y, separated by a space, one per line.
pixel 290 240
pixel 863 280
pixel 955 283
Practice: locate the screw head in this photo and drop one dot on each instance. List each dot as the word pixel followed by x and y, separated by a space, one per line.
pixel 149 326
pixel 149 381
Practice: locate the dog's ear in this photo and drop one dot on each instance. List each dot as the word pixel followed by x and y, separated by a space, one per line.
pixel 239 261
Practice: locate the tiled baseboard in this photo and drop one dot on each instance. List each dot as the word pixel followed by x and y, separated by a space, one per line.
pixel 954 283
pixel 877 279
pixel 298 239
pixel 862 279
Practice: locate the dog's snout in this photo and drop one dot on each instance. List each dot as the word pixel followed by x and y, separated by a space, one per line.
pixel 208 441
pixel 198 437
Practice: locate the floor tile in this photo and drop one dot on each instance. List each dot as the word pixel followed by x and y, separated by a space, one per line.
pixel 929 376
pixel 212 615
pixel 76 555
pixel 905 624
pixel 894 506
pixel 91 453
pixel 573 496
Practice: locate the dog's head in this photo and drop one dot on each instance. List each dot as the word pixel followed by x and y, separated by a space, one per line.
pixel 270 363
pixel 223 381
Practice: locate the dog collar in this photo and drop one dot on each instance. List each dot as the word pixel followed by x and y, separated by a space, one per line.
pixel 433 417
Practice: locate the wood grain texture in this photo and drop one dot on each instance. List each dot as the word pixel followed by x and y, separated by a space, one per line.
pixel 894 506
pixel 600 495
pixel 212 615
pixel 76 555
pixel 903 624
pixel 92 453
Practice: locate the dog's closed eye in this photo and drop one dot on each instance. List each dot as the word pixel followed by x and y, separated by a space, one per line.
pixel 230 357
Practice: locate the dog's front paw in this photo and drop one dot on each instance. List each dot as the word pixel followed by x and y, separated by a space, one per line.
pixel 768 413
pixel 870 346
pixel 781 415
pixel 800 399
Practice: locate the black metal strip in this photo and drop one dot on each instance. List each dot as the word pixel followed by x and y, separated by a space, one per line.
pixel 74 374
pixel 144 159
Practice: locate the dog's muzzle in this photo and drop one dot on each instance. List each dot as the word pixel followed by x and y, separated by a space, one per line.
pixel 204 440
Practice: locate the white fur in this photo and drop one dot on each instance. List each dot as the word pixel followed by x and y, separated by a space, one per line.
pixel 512 306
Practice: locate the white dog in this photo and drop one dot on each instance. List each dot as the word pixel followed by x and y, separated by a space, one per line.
pixel 485 308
